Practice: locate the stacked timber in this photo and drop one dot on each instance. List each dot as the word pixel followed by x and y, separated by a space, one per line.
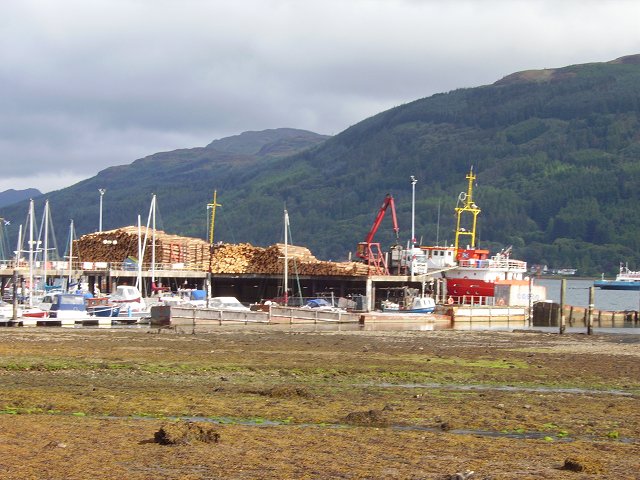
pixel 116 246
pixel 245 258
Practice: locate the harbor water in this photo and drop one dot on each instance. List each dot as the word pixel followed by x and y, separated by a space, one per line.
pixel 577 294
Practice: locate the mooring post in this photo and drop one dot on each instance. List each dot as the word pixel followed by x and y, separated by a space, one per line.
pixel 563 289
pixel 590 311
pixel 15 295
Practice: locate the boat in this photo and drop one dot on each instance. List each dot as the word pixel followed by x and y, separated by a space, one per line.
pixel 227 303
pixel 129 299
pixel 102 307
pixel 625 280
pixel 471 273
pixel 421 304
pixel 68 306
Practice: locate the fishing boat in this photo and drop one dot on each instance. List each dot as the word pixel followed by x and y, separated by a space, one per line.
pixel 625 280
pixel 421 304
pixel 471 273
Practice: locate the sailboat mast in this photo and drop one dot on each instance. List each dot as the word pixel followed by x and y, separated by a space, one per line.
pixel 286 258
pixel 140 253
pixel 70 253
pixel 19 247
pixel 46 244
pixel 31 221
pixel 153 241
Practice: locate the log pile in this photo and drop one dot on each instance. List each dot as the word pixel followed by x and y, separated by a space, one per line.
pixel 115 246
pixel 245 258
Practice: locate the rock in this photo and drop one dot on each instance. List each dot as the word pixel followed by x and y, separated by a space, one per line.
pixel 54 444
pixel 185 433
pixel 468 474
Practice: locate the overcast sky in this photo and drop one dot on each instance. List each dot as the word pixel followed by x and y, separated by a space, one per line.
pixel 87 84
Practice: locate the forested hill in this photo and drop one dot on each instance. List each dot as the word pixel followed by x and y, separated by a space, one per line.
pixel 11 196
pixel 555 152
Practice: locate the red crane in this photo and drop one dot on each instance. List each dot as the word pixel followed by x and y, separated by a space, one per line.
pixel 370 252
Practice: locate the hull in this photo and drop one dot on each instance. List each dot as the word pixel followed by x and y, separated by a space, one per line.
pixel 105 311
pixel 469 287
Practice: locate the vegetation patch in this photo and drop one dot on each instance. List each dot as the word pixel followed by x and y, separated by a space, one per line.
pixel 186 433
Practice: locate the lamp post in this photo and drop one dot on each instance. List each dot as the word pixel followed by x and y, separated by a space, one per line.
pixel 101 190
pixel 413 210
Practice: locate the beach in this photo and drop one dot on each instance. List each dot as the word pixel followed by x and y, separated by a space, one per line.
pixel 275 402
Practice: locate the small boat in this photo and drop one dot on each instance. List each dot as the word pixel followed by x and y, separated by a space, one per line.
pixel 68 306
pixel 421 304
pixel 129 299
pixel 323 305
pixel 625 280
pixel 101 307
pixel 227 303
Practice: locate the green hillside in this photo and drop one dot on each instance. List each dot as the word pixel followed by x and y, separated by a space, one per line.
pixel 555 151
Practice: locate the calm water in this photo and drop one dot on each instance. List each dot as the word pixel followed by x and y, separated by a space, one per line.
pixel 577 294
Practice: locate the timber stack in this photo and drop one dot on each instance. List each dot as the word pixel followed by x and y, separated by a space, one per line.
pixel 246 258
pixel 115 246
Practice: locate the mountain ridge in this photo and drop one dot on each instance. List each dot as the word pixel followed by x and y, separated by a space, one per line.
pixel 556 165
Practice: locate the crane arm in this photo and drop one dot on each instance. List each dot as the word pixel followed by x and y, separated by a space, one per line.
pixel 388 201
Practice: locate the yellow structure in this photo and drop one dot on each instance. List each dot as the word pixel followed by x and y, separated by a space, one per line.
pixel 468 207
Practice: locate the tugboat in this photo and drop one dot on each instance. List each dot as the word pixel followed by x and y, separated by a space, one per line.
pixel 471 273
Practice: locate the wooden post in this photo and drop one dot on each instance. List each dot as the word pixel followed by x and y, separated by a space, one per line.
pixel 571 315
pixel 15 295
pixel 563 289
pixel 590 311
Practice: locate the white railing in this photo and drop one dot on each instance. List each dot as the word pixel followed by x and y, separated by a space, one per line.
pixel 503 263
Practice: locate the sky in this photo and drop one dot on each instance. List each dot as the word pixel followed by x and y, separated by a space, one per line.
pixel 88 84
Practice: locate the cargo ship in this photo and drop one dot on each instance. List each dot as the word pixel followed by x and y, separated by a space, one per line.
pixel 471 273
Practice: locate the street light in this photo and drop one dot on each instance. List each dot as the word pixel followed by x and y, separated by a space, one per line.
pixel 101 190
pixel 413 210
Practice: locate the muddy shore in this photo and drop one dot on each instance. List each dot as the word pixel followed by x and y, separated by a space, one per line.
pixel 257 402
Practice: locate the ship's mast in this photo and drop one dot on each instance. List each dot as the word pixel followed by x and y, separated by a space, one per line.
pixel 470 208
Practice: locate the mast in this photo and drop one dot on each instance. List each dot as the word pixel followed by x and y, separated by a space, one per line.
pixel 139 279
pixel 46 244
pixel 31 241
pixel 286 258
pixel 468 207
pixel 153 241
pixel 70 253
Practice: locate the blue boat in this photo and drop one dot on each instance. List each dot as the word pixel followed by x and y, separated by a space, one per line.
pixel 68 306
pixel 422 304
pixel 625 280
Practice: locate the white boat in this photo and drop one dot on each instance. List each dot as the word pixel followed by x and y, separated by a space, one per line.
pixel 227 303
pixel 625 280
pixel 130 301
